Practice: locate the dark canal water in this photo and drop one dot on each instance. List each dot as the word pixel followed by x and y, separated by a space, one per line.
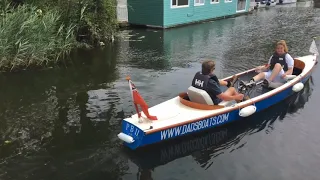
pixel 62 123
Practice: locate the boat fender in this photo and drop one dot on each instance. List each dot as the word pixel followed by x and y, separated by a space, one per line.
pixel 125 138
pixel 247 111
pixel 297 87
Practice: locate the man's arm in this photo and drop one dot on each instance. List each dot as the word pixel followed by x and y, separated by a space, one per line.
pixel 215 89
pixel 224 83
pixel 226 97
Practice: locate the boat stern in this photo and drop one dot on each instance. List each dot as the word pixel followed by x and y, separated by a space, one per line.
pixel 131 135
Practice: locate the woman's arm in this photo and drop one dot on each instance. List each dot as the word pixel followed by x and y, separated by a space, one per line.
pixel 264 67
pixel 289 72
pixel 290 63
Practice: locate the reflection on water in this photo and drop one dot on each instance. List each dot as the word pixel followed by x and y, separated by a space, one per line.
pixel 235 43
pixel 316 4
pixel 62 123
pixel 52 118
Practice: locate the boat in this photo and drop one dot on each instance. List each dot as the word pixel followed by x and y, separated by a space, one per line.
pixel 279 2
pixel 263 3
pixel 193 111
pixel 214 141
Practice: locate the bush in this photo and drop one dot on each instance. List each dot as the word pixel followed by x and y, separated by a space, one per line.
pixel 95 20
pixel 31 37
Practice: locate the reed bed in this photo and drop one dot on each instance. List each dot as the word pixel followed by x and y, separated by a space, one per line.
pixel 37 33
pixel 30 37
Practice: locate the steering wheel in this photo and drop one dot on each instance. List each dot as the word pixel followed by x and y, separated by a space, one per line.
pixel 245 88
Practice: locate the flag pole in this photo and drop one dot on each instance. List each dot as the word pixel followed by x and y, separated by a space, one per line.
pixel 135 105
pixel 313 47
pixel 137 99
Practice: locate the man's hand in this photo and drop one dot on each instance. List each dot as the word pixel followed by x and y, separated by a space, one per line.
pixel 239 97
pixel 228 84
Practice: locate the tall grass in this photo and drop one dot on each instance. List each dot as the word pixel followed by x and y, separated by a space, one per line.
pixel 30 37
pixel 41 32
pixel 95 20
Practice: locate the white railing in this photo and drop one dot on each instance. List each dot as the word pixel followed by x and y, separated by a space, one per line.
pixel 122 13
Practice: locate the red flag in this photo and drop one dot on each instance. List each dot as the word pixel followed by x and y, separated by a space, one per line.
pixel 137 99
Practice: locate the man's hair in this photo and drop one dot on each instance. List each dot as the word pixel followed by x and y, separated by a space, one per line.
pixel 208 66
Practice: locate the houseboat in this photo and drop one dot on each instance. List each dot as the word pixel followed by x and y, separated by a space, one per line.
pixel 263 3
pixel 286 1
pixel 171 13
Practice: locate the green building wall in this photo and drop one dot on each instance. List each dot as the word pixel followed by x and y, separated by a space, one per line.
pixel 159 13
pixel 145 12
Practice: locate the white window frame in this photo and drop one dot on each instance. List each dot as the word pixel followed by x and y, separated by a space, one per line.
pixel 227 1
pixel 199 4
pixel 212 2
pixel 176 6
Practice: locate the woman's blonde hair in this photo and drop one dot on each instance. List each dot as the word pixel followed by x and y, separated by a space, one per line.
pixel 284 44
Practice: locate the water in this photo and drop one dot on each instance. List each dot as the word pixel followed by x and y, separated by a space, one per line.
pixel 62 123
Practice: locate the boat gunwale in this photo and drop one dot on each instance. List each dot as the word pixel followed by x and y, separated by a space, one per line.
pixel 254 100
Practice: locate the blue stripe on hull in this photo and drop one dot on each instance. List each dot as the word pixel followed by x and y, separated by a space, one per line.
pixel 133 131
pixel 190 128
pixel 141 139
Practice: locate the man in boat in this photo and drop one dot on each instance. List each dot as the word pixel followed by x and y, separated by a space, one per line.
pixel 209 82
pixel 280 64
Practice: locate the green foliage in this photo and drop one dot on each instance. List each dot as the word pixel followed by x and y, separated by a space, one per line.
pixel 38 32
pixel 95 20
pixel 31 37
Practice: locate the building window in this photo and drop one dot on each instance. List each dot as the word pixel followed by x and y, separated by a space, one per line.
pixel 214 1
pixel 227 1
pixel 180 3
pixel 198 2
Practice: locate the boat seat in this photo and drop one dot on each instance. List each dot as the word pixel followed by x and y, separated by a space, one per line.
pixel 199 96
pixel 202 97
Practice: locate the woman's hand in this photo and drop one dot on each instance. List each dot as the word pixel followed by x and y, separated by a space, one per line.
pixel 283 76
pixel 262 68
pixel 259 69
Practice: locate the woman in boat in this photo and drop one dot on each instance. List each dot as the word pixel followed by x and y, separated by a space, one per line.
pixel 280 64
pixel 208 81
